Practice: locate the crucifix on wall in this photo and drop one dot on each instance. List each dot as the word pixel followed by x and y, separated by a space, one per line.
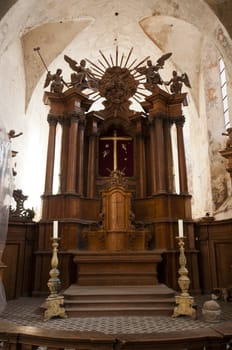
pixel 115 153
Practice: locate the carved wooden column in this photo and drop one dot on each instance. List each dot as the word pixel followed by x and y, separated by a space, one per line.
pixel 168 155
pixel 161 186
pixel 181 156
pixel 92 160
pixel 52 120
pixel 80 166
pixel 152 154
pixel 64 151
pixel 72 154
pixel 140 165
pixel 142 177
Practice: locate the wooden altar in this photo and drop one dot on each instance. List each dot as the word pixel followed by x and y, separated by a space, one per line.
pixel 117 216
pixel 116 252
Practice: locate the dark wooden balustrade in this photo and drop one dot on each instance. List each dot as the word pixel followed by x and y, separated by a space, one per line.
pixel 14 337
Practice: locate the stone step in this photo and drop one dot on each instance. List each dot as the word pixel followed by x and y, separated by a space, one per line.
pixel 112 292
pixel 119 303
pixel 122 311
pixel 119 300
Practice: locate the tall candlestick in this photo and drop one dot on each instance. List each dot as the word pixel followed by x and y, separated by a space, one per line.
pixel 184 302
pixel 55 229
pixel 180 228
pixel 54 302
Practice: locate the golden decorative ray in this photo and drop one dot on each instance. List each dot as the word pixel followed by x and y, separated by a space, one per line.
pixel 131 64
pixel 139 64
pixel 122 58
pixel 136 99
pixel 111 58
pixel 107 62
pixel 128 57
pixel 96 99
pixel 140 93
pixel 116 54
pixel 94 65
pixel 102 63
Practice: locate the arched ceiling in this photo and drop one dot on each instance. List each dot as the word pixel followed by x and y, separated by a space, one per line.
pixel 82 28
pixel 222 9
pixel 53 39
pixel 166 33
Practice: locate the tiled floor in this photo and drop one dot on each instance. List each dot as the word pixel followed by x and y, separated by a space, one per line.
pixel 27 312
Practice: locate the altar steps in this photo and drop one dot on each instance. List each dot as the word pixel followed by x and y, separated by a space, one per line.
pixel 89 301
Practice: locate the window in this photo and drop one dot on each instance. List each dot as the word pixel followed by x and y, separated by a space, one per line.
pixel 224 93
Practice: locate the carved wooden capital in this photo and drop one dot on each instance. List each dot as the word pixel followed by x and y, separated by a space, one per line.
pixel 52 119
pixel 180 122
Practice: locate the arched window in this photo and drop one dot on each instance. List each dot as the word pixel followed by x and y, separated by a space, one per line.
pixel 224 93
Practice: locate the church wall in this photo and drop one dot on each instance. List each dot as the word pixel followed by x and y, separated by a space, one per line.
pixel 12 97
pixel 12 86
pixel 121 32
pixel 215 119
pixel 34 156
pixel 198 152
pixel 31 155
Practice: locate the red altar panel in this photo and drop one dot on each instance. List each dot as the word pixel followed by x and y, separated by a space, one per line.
pixel 106 157
pixel 115 152
pixel 125 156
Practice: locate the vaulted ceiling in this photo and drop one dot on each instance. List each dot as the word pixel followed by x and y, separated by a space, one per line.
pixel 54 25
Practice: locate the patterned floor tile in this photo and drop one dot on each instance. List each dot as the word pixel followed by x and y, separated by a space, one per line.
pixel 26 312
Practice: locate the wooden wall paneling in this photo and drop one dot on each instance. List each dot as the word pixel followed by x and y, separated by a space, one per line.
pixel 11 259
pixel 168 270
pixel 31 240
pixel 223 260
pixel 67 270
pixel 192 266
pixel 66 267
pixel 18 256
pixel 204 271
pixel 215 244
pixel 42 268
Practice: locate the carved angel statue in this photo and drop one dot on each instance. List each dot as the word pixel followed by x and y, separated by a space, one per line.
pixel 12 134
pixel 229 134
pixel 151 71
pixel 176 82
pixel 56 80
pixel 83 77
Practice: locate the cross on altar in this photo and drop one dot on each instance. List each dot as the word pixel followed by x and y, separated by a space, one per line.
pixel 116 138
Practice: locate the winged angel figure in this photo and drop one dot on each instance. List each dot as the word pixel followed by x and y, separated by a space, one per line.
pixel 83 77
pixel 176 82
pixel 151 71
pixel 56 80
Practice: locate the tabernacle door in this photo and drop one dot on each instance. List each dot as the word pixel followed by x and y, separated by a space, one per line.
pixel 116 208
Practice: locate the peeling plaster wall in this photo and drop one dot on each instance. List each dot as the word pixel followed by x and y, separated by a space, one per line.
pixel 12 87
pixel 5 6
pixel 52 38
pixel 219 177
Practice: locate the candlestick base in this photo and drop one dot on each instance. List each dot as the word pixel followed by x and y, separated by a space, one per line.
pixel 184 307
pixel 54 302
pixel 184 301
pixel 54 308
